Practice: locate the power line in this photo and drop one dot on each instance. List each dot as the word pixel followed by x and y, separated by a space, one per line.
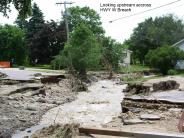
pixel 145 11
pixel 174 7
pixel 66 16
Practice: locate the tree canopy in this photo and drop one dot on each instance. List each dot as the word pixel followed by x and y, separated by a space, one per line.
pixel 82 51
pixel 164 58
pixel 85 15
pixel 112 54
pixel 44 39
pixel 153 33
pixel 22 6
pixel 12 44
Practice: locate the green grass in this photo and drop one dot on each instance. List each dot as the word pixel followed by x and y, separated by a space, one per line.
pixel 131 80
pixel 134 68
pixel 41 66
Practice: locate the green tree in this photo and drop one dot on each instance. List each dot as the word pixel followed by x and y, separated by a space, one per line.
pixel 82 52
pixel 49 41
pixel 164 58
pixel 153 33
pixel 33 28
pixel 22 6
pixel 85 15
pixel 44 39
pixel 22 24
pixel 112 54
pixel 12 45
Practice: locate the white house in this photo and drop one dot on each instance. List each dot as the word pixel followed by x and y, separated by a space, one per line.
pixel 180 63
pixel 126 58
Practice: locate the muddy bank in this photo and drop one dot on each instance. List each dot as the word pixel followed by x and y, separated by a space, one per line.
pixel 22 104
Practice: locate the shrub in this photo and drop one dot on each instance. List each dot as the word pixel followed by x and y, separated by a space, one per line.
pixel 172 72
pixel 164 58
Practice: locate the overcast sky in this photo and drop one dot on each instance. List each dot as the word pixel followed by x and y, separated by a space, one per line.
pixel 119 30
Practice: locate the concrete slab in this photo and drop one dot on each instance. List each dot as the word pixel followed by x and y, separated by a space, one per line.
pixel 22 75
pixel 133 121
pixel 173 96
pixel 149 117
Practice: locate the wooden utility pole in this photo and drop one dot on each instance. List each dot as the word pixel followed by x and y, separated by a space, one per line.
pixel 66 14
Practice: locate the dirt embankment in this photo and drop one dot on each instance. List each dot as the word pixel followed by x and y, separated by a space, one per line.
pixel 23 103
pixel 153 106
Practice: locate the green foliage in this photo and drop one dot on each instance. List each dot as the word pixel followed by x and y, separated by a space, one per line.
pixel 33 28
pixel 86 16
pixel 112 53
pixel 44 39
pixel 130 79
pixel 12 45
pixel 172 72
pixel 164 58
pixel 153 33
pixel 22 6
pixel 134 68
pixel 82 52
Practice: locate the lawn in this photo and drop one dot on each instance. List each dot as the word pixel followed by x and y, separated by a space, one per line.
pixel 134 68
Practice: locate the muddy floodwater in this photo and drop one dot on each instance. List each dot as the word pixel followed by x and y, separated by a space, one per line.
pixel 96 107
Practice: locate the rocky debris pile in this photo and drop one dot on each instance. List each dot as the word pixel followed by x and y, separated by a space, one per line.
pixel 165 85
pixel 129 103
pixel 58 131
pixel 2 75
pixel 9 82
pixel 137 89
pixel 52 79
pixel 5 134
pixel 24 105
pixel 145 89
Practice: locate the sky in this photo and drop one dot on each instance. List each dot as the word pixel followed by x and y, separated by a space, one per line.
pixel 119 30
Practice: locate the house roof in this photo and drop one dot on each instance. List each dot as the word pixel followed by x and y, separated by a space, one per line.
pixel 179 42
pixel 128 51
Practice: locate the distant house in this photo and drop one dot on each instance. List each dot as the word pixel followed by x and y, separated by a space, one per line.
pixel 126 58
pixel 180 63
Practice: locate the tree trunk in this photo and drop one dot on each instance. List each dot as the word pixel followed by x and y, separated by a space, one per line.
pixel 83 74
pixel 110 72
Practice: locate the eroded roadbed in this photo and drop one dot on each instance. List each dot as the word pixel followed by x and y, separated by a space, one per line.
pixel 23 103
